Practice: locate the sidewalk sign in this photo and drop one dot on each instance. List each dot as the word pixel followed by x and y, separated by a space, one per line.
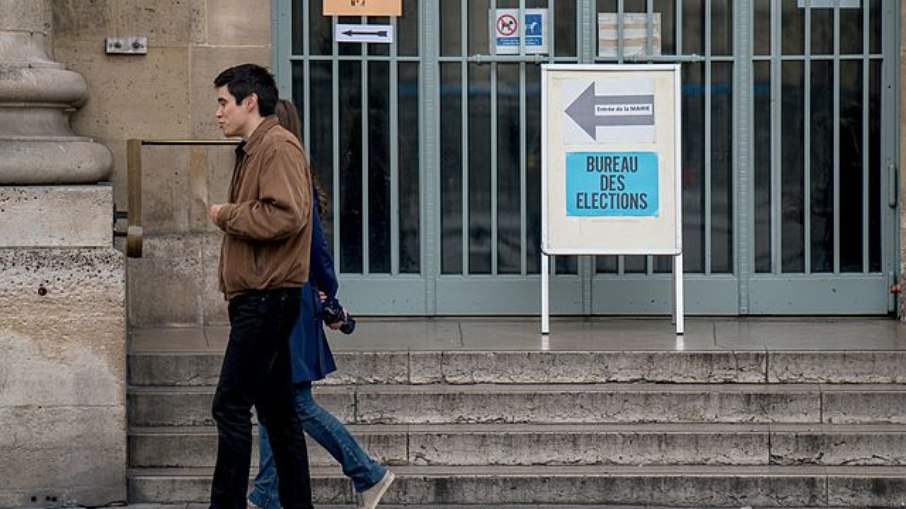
pixel 610 165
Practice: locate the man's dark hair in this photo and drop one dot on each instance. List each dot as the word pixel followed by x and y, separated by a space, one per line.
pixel 246 79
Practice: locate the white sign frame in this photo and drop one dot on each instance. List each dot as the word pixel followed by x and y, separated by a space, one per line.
pixel 562 87
pixel 363 33
pixel 519 34
pixel 830 4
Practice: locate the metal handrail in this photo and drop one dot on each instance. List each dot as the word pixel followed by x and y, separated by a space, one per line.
pixel 189 142
pixel 133 213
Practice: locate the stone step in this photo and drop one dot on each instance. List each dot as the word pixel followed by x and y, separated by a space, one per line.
pixel 687 486
pixel 589 444
pixel 552 367
pixel 560 404
pixel 205 505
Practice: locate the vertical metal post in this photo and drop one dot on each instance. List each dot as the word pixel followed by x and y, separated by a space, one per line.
pixel 621 37
pixel 678 292
pixel 335 149
pixel 545 295
pixel 366 162
pixel 545 261
pixel 678 289
pixel 707 216
pixel 866 123
pixel 523 211
pixel 776 132
pixel 891 105
pixel 743 90
pixel 429 97
pixel 585 266
pixel 393 100
pixel 281 41
pixel 836 140
pixel 807 140
pixel 494 135
pixel 552 32
pixel 464 132
pixel 306 85
pixel 587 19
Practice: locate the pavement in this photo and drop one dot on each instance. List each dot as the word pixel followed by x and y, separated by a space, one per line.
pixel 391 506
pixel 570 334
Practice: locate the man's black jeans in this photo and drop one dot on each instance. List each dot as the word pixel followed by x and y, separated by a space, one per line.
pixel 256 372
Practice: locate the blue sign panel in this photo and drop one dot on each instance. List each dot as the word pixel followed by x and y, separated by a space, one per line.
pixel 534 30
pixel 612 184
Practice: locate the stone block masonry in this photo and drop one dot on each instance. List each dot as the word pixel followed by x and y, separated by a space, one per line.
pixel 62 376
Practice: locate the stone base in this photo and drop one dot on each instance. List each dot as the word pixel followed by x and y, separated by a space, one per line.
pixel 56 216
pixel 62 376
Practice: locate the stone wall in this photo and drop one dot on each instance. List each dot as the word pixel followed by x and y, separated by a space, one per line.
pixel 62 373
pixel 63 324
pixel 165 94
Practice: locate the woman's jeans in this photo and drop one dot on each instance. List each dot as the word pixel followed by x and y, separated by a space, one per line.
pixel 327 431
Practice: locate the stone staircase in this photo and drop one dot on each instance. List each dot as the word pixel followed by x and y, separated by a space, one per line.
pixel 529 429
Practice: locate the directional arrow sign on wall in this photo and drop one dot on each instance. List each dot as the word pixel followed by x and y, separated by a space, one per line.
pixel 381 34
pixel 589 111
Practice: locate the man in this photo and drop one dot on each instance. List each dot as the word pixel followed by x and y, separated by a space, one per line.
pixel 264 262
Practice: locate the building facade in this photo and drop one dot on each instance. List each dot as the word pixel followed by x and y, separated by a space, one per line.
pixel 429 148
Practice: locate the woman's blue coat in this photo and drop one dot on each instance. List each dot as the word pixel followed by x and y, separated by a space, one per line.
pixel 309 352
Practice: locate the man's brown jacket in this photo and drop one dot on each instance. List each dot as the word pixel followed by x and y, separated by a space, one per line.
pixel 267 228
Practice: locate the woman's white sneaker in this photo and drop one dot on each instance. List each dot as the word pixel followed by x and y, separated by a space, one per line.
pixel 369 498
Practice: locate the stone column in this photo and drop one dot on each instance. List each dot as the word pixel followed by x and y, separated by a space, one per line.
pixel 62 296
pixel 37 96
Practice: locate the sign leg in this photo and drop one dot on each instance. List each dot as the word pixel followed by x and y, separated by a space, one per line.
pixel 545 295
pixel 678 304
pixel 673 294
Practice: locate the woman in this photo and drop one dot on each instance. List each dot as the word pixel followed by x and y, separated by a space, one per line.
pixel 312 360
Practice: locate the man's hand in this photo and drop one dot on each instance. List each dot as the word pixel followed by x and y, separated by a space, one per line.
pixel 213 211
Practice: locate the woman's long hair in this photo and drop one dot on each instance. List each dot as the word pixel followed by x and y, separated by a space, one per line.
pixel 288 117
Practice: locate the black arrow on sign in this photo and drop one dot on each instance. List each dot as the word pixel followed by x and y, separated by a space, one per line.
pixel 351 33
pixel 582 110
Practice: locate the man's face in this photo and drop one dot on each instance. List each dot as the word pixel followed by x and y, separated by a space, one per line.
pixel 231 117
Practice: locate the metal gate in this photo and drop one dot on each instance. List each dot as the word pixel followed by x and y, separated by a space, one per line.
pixel 429 151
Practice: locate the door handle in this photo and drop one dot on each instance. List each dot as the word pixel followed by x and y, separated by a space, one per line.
pixel 893 182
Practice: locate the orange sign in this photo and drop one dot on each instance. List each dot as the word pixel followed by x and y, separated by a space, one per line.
pixel 363 7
